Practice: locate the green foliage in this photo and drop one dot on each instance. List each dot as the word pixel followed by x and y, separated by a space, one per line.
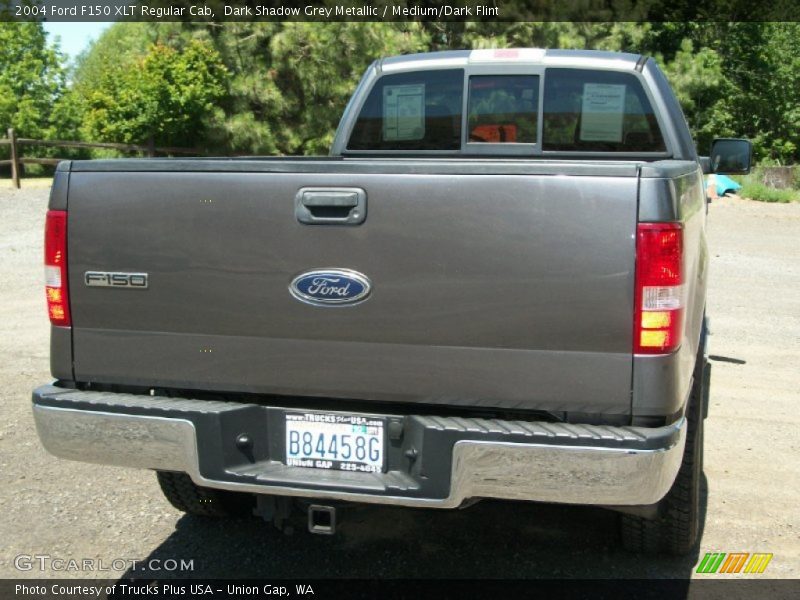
pixel 755 190
pixel 758 184
pixel 760 92
pixel 167 97
pixel 317 69
pixel 280 87
pixel 32 79
pixel 696 77
pixel 292 81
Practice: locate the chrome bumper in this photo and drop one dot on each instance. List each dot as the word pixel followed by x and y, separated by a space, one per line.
pixel 547 472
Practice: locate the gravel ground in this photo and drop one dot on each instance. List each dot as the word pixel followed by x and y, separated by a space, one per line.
pixel 71 510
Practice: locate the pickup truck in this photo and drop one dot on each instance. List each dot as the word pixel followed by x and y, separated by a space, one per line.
pixel 494 288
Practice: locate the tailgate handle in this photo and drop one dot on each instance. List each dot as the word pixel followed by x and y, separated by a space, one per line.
pixel 331 206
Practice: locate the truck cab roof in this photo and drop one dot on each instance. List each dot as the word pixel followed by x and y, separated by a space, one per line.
pixel 594 59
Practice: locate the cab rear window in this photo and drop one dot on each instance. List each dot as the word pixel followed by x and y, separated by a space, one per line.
pixel 598 111
pixel 412 111
pixel 583 111
pixel 503 109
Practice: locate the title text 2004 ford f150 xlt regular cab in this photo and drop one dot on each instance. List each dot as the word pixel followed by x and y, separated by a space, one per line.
pixel 494 288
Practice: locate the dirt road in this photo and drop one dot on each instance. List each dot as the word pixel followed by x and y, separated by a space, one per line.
pixel 69 510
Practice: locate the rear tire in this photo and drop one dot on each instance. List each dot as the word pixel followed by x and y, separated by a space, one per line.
pixel 676 529
pixel 186 496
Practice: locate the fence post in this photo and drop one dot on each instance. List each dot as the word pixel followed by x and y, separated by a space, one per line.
pixel 12 137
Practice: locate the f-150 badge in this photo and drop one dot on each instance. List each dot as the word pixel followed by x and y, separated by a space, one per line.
pixel 331 287
pixel 129 281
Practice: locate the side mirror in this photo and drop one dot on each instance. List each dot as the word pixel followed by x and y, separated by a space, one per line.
pixel 731 156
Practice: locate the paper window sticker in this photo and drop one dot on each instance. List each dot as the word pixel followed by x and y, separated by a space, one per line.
pixel 404 112
pixel 602 112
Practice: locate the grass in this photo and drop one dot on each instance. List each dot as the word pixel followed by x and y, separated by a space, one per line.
pixel 753 188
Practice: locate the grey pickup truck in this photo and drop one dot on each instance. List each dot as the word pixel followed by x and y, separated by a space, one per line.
pixel 494 287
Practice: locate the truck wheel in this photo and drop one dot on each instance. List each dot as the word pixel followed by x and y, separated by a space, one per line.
pixel 675 530
pixel 184 495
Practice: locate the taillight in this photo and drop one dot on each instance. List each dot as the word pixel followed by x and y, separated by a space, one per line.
pixel 55 267
pixel 658 321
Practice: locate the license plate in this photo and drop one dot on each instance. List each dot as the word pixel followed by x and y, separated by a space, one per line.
pixel 335 441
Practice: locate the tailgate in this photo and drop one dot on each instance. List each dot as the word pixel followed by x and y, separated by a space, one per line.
pixel 506 291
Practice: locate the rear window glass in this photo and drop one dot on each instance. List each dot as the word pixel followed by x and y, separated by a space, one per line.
pixel 503 109
pixel 412 111
pixel 598 111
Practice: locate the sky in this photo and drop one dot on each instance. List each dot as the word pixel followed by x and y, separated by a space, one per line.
pixel 75 37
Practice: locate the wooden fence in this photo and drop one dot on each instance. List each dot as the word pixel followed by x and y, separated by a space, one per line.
pixel 16 161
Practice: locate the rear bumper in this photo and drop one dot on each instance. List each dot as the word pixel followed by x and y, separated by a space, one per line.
pixel 455 458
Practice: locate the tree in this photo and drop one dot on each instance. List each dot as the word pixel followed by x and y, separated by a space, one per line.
pixel 166 97
pixel 291 81
pixel 696 78
pixel 287 83
pixel 32 79
pixel 762 88
pixel 317 68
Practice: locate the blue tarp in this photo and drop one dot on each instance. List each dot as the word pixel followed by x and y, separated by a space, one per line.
pixel 725 185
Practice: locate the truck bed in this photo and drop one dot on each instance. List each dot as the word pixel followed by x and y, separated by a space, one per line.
pixel 496 284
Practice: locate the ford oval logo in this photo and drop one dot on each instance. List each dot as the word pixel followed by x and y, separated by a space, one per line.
pixel 330 287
